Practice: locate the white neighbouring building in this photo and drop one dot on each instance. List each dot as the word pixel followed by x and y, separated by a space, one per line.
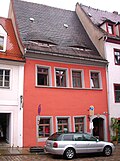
pixel 103 29
pixel 11 86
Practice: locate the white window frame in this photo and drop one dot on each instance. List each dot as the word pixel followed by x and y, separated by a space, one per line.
pixel 49 75
pixel 6 87
pixel 99 76
pixel 64 117
pixel 38 117
pixel 3 33
pixel 67 80
pixel 82 77
pixel 85 122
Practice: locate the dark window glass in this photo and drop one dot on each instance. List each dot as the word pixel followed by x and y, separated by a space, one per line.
pixel 62 125
pixel 76 78
pixel 44 128
pixel 95 80
pixel 87 137
pixel 55 137
pixel 117 57
pixel 78 137
pixel 1 42
pixel 68 137
pixel 60 78
pixel 42 76
pixel 117 92
pixel 79 124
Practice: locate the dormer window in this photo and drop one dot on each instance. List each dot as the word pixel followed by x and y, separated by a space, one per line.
pixel 111 28
pixel 3 39
pixel 1 43
pixel 118 29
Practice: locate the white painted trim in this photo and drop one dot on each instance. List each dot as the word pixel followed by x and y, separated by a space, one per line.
pixel 38 117
pixel 67 77
pixel 85 122
pixel 69 122
pixel 49 75
pixel 3 33
pixel 104 125
pixel 82 77
pixel 11 76
pixel 100 78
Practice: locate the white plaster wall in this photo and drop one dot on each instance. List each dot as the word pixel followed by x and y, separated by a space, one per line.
pixel 10 101
pixel 113 77
pixel 10 96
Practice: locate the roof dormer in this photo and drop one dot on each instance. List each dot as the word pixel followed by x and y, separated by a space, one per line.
pixel 3 39
pixel 118 29
pixel 109 27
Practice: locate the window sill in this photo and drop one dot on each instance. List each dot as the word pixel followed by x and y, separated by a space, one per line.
pixel 71 88
pixel 4 87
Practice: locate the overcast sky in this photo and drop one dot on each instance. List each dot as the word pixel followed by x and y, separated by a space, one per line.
pixel 107 5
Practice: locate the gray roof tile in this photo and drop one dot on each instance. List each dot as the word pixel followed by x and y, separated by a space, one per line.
pixel 48 26
pixel 99 16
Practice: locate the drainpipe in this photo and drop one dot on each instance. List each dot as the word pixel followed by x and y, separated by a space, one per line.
pixel 107 80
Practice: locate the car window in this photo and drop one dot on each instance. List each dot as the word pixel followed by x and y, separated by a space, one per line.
pixel 55 137
pixel 78 137
pixel 87 137
pixel 68 137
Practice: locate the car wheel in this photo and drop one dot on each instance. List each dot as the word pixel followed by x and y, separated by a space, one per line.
pixel 69 153
pixel 107 151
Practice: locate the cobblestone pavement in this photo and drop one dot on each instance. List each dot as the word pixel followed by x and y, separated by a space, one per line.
pixel 48 157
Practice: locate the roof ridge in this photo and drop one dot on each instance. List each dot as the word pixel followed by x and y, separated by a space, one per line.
pixel 45 5
pixel 99 9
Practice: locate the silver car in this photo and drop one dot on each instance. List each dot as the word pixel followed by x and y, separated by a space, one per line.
pixel 70 144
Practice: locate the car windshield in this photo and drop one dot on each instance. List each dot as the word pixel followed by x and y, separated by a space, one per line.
pixel 55 137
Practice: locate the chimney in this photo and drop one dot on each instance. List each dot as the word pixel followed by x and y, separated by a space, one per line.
pixel 115 12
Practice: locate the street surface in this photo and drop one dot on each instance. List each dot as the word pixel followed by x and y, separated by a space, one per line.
pixel 48 157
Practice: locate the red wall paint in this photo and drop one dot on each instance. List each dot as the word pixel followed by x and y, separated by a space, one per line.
pixel 59 101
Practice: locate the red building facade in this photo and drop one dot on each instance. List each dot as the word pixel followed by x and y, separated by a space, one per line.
pixel 63 108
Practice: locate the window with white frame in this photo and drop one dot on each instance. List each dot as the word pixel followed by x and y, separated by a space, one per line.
pixel 117 56
pixel 60 77
pixel 1 43
pixel 79 124
pixel 110 28
pixel 43 76
pixel 44 127
pixel 117 92
pixel 77 78
pixel 5 78
pixel 3 39
pixel 95 79
pixel 63 124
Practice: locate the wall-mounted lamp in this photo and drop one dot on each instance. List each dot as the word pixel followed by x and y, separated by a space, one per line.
pixel 21 102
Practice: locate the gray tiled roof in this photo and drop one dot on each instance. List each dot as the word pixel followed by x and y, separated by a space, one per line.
pixel 99 16
pixel 48 26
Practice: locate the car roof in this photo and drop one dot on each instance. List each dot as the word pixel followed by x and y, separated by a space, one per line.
pixel 70 133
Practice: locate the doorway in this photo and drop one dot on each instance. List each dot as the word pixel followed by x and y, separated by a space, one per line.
pixel 98 130
pixel 4 129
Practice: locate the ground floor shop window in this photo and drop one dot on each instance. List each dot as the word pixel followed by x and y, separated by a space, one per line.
pixel 62 124
pixel 44 127
pixel 79 124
